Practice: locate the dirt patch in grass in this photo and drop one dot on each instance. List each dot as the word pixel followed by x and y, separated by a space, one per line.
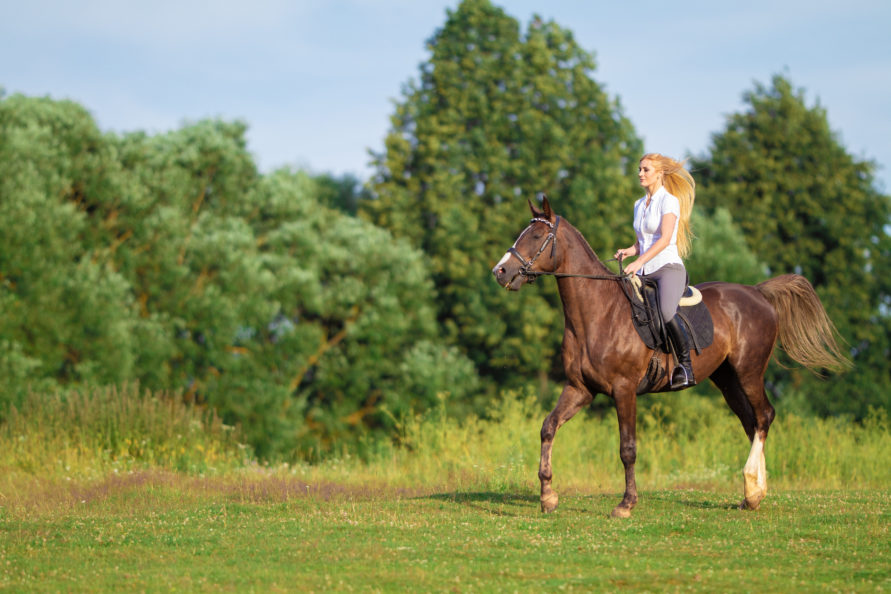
pixel 35 494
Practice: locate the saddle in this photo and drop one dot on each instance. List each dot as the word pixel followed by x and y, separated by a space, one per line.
pixel 646 315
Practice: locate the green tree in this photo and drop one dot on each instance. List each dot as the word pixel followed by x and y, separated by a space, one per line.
pixel 496 117
pixel 805 205
pixel 170 261
pixel 289 317
pixel 720 251
pixel 343 193
pixel 355 306
pixel 66 314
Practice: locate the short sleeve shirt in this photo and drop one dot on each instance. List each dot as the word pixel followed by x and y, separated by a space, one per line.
pixel 648 227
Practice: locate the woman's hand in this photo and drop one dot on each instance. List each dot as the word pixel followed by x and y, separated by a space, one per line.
pixel 625 252
pixel 632 268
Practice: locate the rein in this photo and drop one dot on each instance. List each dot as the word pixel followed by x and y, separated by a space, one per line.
pixel 533 274
pixel 526 265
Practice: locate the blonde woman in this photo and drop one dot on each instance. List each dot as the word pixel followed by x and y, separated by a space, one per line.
pixel 662 225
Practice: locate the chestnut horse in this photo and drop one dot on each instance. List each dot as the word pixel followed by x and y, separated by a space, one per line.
pixel 603 354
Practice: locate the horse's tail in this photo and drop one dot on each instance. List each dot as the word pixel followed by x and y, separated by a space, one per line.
pixel 805 331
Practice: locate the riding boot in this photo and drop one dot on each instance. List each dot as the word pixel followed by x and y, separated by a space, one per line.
pixel 682 376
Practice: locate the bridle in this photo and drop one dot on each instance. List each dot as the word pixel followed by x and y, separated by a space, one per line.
pixel 526 265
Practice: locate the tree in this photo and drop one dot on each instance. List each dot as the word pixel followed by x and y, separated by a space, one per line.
pixel 496 117
pixel 343 193
pixel 720 251
pixel 66 315
pixel 170 261
pixel 354 312
pixel 805 205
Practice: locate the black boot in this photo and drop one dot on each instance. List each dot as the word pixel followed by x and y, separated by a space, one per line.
pixel 682 376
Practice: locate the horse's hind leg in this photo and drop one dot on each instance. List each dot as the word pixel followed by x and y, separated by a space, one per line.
pixel 755 473
pixel 571 401
pixel 746 397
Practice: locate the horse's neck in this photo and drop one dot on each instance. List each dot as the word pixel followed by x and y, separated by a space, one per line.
pixel 578 257
pixel 584 299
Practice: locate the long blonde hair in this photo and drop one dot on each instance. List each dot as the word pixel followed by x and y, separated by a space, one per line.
pixel 678 181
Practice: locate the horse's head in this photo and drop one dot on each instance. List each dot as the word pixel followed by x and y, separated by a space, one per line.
pixel 534 250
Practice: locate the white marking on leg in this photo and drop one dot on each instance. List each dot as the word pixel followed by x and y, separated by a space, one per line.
pixel 755 473
pixel 762 472
pixel 753 463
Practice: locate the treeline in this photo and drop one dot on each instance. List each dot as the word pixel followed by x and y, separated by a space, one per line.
pixel 317 313
pixel 169 260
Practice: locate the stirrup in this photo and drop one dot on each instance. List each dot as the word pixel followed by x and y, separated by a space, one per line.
pixel 679 383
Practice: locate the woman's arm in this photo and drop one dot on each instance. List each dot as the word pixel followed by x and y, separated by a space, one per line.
pixel 666 228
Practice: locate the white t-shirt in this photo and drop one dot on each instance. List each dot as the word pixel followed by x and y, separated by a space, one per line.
pixel 648 225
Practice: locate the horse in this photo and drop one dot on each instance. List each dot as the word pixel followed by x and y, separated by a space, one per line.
pixel 602 353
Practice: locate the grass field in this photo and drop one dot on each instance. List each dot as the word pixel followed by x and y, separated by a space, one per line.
pixel 121 492
pixel 157 531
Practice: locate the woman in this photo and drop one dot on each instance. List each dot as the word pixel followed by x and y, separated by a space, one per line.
pixel 662 225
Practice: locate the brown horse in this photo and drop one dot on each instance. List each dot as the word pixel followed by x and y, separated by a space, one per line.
pixel 602 353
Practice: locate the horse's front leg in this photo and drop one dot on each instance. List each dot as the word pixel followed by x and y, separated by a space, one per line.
pixel 626 409
pixel 571 401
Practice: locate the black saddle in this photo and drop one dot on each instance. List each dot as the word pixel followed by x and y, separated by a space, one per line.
pixel 643 293
pixel 646 315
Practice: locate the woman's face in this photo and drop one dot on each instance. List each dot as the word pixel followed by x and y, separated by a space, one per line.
pixel 648 174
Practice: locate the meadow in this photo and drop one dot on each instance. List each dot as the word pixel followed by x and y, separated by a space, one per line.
pixel 111 490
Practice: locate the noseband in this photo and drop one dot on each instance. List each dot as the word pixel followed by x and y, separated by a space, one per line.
pixel 526 265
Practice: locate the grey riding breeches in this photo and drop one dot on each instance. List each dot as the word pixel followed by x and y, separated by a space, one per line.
pixel 672 280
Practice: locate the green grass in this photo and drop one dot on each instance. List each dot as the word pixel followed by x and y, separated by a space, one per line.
pixel 118 490
pixel 265 533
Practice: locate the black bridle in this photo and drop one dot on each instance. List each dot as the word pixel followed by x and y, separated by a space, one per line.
pixel 526 265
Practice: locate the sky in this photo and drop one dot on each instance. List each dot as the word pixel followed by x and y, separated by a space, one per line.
pixel 316 81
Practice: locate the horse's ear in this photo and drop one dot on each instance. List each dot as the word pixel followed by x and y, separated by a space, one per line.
pixel 547 207
pixel 536 214
pixel 541 214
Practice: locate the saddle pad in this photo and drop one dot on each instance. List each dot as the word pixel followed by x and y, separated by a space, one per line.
pixel 699 323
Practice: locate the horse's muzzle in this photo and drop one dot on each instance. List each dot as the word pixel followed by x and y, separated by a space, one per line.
pixel 508 276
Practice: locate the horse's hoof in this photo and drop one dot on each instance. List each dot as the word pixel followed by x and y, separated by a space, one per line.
pixel 753 493
pixel 750 504
pixel 621 512
pixel 549 502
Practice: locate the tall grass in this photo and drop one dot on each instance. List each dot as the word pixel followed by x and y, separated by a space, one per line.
pixel 93 432
pixel 684 440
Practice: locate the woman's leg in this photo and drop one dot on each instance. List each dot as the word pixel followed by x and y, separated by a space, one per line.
pixel 672 280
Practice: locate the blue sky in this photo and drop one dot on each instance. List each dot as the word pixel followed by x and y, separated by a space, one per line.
pixel 315 80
